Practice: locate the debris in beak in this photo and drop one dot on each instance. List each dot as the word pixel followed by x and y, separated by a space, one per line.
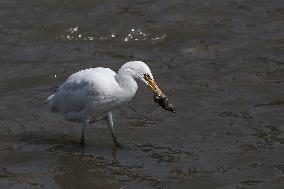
pixel 163 101
pixel 159 96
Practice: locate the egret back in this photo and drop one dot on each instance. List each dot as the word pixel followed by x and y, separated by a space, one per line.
pixel 85 90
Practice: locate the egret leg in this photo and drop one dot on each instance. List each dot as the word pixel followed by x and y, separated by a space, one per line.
pixel 83 133
pixel 110 126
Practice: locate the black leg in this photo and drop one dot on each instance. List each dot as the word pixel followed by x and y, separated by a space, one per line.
pixel 110 126
pixel 114 140
pixel 82 140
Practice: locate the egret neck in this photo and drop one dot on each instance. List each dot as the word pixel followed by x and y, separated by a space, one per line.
pixel 127 83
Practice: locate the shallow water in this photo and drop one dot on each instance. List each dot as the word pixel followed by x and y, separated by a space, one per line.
pixel 220 62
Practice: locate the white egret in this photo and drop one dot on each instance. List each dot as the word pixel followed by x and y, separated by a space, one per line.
pixel 91 94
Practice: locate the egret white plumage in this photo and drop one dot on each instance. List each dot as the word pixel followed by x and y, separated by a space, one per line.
pixel 91 94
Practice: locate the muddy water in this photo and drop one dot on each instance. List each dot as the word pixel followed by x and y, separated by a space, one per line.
pixel 220 62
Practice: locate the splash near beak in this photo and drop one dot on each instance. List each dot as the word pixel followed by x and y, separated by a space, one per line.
pixel 159 97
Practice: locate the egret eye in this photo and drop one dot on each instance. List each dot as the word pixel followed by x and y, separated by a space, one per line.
pixel 147 76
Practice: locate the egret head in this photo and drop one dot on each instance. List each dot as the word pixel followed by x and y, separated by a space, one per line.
pixel 139 70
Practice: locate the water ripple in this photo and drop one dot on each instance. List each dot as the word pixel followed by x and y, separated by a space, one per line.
pixel 134 34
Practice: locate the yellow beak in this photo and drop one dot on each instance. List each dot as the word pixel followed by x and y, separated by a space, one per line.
pixel 153 85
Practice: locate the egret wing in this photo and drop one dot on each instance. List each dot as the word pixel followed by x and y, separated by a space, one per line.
pixel 88 88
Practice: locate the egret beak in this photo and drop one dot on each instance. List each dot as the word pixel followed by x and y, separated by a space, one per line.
pixel 159 97
pixel 153 85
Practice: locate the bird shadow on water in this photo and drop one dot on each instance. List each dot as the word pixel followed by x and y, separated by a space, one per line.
pixel 70 144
